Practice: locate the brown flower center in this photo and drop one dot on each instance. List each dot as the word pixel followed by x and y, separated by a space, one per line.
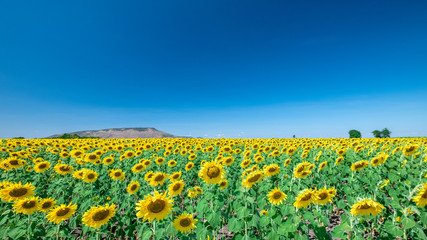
pixel 254 178
pixel 117 174
pixel 306 197
pixel 277 195
pixel 159 178
pixel 63 212
pixel 213 172
pixel 322 196
pixel 18 192
pixel 156 206
pixel 185 222
pixel 176 187
pixel 42 165
pixel 46 205
pixel 29 204
pixel 101 215
pixel 133 188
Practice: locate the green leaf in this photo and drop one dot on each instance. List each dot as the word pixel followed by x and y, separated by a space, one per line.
pixel 235 225
pixel 147 234
pixel 289 226
pixel 408 223
pixel 339 231
pixel 242 213
pixel 264 221
pixel 392 229
pixel 423 218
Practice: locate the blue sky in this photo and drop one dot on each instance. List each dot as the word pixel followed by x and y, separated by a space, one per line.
pixel 214 68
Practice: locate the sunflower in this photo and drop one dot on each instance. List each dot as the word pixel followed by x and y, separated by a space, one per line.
pixel 252 178
pixel 341 151
pixel 154 207
pixel 17 191
pixel 108 160
pixel 90 176
pixel 158 179
pixel 41 166
pixel 46 204
pixel 245 163
pixel 223 184
pixel 117 174
pixel 291 151
pixel 357 166
pixel 376 161
pixel 76 153
pixel 228 161
pixel 175 176
pixel 264 212
pixel 339 160
pixel 409 150
pixel 304 199
pixel 148 176
pixel 147 162
pixel 322 165
pixel 26 205
pixel 421 198
pixel 133 187
pixel 61 213
pixel 160 160
pixel 139 167
pixel 129 154
pixel 184 223
pixel 176 188
pixel 172 163
pixel 301 170
pixel 63 169
pixel 271 170
pixel 79 174
pixel 189 166
pixel 192 193
pixel 15 163
pixel 322 196
pixel 276 196
pixel 211 172
pixel 98 216
pixel 366 207
pixel 287 162
pixel 198 190
pixel 192 157
pixel 4 184
pixel 91 157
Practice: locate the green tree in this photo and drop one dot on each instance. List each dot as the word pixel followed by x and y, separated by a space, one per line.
pixel 354 134
pixel 385 133
pixel 377 133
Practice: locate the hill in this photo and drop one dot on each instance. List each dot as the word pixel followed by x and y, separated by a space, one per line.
pixel 122 133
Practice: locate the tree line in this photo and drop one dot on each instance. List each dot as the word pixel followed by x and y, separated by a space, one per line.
pixel 385 133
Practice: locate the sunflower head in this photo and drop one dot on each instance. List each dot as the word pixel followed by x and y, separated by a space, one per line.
pixel 41 166
pixel 366 207
pixel 176 187
pixel 304 199
pixel 17 191
pixel 154 207
pixel 98 216
pixel 133 187
pixel 184 223
pixel 61 213
pixel 189 166
pixel 211 172
pixel 46 204
pixel 26 205
pixel 276 196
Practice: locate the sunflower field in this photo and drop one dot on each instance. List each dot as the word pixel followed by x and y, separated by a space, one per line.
pixel 184 188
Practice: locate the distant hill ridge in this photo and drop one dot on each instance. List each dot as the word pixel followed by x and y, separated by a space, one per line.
pixel 147 132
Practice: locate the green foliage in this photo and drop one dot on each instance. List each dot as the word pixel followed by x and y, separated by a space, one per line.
pixel 72 136
pixel 354 134
pixel 385 133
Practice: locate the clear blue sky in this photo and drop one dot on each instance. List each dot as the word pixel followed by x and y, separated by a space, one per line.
pixel 214 68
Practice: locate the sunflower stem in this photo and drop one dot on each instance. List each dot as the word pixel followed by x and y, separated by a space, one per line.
pixel 29 227
pixel 154 229
pixel 57 231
